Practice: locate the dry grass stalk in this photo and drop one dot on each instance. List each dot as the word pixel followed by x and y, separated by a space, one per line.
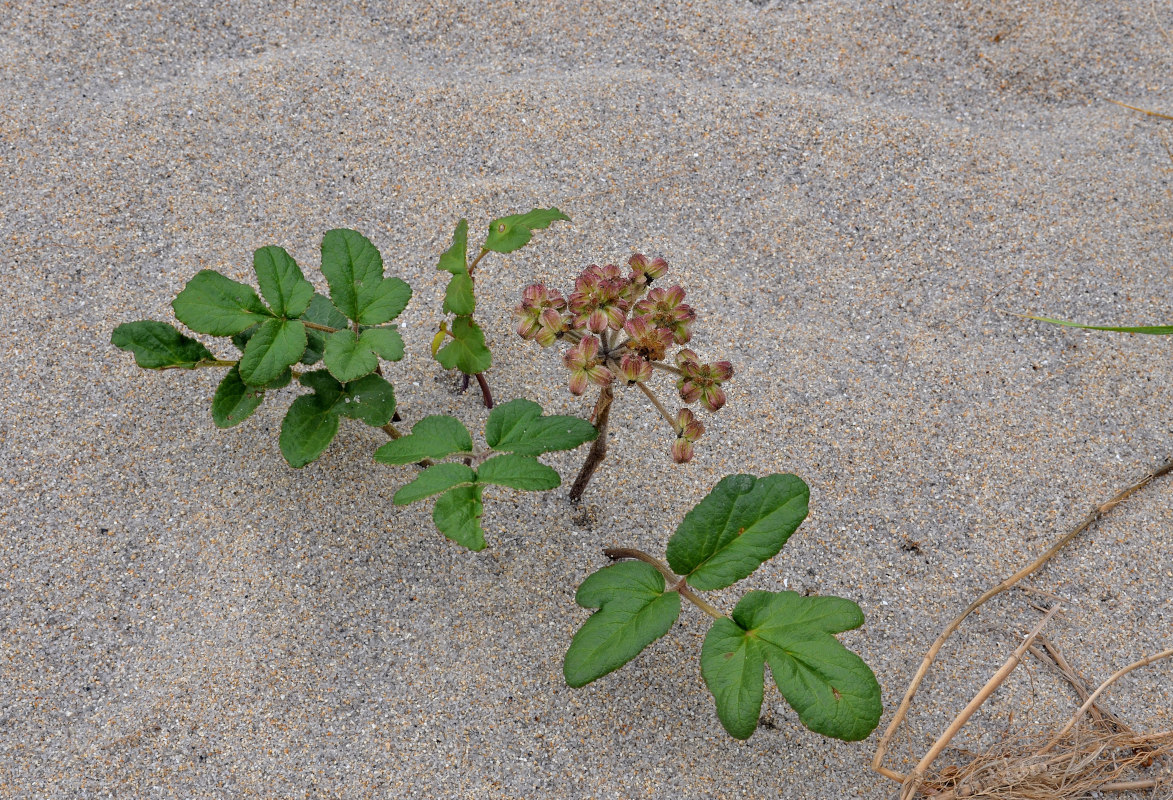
pixel 1095 515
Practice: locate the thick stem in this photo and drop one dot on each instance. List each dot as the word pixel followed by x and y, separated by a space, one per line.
pixel 598 447
pixel 667 367
pixel 485 393
pixel 675 584
pixel 215 362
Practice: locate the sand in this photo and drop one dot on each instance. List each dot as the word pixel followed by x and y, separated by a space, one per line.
pixel 853 194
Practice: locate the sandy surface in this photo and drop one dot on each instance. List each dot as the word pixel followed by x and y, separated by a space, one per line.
pixel 851 192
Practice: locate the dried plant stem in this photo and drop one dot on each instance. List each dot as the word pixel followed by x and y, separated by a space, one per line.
pixel 913 780
pixel 1096 514
pixel 598 451
pixel 1144 662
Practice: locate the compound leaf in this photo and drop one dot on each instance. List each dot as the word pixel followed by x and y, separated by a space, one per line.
pixel 354 272
pixel 322 312
pixel 458 516
pixel 214 304
pixel 370 399
pixel 634 611
pixel 276 345
pixel 433 480
pixel 235 400
pixel 831 688
pixel 308 428
pixel 384 342
pixel 1151 330
pixel 732 665
pixel 507 234
pixel 466 349
pixel 455 258
pixel 283 286
pixel 432 437
pixel 518 472
pixel 458 297
pixel 519 427
pixel 157 345
pixel 743 522
pixel 347 358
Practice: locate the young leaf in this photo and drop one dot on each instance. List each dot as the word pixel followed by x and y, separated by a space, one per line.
pixel 283 286
pixel 322 312
pixel 347 357
pixel 354 272
pixel 741 523
pixel 458 297
pixel 276 345
pixel 235 400
pixel 1151 330
pixel 433 480
pixel 308 428
pixel 370 399
pixel 519 427
pixel 634 611
pixel 831 688
pixel 214 304
pixel 466 351
pixel 432 437
pixel 458 516
pixel 157 345
pixel 518 472
pixel 455 258
pixel 507 234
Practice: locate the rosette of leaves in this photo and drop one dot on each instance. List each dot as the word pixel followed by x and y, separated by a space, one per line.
pixel 460 342
pixel 743 522
pixel 620 332
pixel 289 325
pixel 516 433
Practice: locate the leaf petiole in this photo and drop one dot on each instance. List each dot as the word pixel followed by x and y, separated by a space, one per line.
pixel 675 584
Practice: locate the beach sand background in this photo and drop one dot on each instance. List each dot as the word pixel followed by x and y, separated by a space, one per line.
pixel 853 195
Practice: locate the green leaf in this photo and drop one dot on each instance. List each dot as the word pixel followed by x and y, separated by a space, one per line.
pixel 278 344
pixel 308 429
pixel 518 472
pixel 370 399
pixel 1151 330
pixel 157 345
pixel 354 272
pixel 507 234
pixel 743 522
pixel 458 297
pixel 831 688
pixel 322 312
pixel 214 304
pixel 519 427
pixel 433 480
pixel 458 516
pixel 733 666
pixel 455 258
pixel 634 611
pixel 347 358
pixel 283 286
pixel 385 342
pixel 466 351
pixel 235 400
pixel 432 437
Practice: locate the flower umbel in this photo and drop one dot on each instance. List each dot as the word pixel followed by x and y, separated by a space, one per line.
pixel 702 381
pixel 535 299
pixel 585 367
